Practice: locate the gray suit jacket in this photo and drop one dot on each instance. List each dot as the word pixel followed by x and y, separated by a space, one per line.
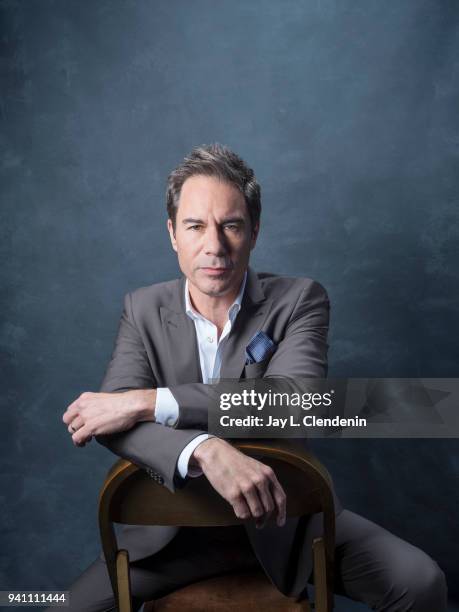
pixel 156 346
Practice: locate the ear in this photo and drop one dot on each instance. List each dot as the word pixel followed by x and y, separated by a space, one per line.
pixel 254 236
pixel 170 228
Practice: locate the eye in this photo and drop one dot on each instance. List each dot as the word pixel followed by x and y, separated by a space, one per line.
pixel 193 227
pixel 233 227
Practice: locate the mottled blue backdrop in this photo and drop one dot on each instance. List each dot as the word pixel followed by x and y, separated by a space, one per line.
pixel 347 111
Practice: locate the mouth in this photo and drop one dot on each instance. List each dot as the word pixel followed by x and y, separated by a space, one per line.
pixel 215 271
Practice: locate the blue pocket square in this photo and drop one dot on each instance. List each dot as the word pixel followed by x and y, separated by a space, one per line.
pixel 260 347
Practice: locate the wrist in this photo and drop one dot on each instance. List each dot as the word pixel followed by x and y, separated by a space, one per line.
pixel 205 452
pixel 145 403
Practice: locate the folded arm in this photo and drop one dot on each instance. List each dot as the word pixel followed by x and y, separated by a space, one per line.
pixel 248 485
pixel 301 353
pixel 146 443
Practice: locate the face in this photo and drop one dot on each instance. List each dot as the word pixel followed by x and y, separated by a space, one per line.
pixel 213 236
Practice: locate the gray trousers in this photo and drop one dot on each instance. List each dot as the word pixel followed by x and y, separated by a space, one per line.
pixel 372 566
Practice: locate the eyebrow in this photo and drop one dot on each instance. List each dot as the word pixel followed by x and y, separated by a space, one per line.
pixel 229 220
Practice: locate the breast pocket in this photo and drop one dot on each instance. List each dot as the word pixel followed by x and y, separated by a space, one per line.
pixel 256 370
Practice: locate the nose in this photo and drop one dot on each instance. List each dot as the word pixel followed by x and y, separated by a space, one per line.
pixel 215 242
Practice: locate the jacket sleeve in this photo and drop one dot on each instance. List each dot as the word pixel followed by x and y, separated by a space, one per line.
pixel 302 353
pixel 149 445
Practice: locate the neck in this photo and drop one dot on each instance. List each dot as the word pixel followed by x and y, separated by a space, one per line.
pixel 214 309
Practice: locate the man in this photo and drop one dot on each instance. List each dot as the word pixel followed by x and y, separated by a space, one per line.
pixel 174 337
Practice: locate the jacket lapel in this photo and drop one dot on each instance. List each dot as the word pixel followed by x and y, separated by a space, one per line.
pixel 180 340
pixel 254 308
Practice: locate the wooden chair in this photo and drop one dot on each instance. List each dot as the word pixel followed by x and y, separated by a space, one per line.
pixel 129 496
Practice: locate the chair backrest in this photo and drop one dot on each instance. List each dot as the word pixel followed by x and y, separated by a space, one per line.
pixel 129 496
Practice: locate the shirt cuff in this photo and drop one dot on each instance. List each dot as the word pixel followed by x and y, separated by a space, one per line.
pixel 166 407
pixel 182 464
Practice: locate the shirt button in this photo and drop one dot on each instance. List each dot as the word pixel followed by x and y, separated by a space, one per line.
pixel 210 339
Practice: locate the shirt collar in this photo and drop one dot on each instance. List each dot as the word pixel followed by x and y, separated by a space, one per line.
pixel 232 310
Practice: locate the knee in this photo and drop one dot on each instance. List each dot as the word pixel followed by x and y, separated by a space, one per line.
pixel 422 587
pixel 432 593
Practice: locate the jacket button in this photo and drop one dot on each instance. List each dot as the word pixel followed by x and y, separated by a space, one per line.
pixel 155 476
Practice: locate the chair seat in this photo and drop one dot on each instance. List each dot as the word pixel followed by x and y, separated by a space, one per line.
pixel 251 591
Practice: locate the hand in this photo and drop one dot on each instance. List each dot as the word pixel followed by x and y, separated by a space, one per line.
pixel 92 414
pixel 250 486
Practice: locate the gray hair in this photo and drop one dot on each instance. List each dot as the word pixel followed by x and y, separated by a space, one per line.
pixel 219 161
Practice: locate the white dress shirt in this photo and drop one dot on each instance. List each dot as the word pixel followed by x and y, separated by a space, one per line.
pixel 210 357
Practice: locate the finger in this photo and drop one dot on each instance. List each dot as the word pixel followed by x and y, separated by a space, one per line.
pixel 254 503
pixel 280 499
pixel 241 509
pixel 268 502
pixel 71 412
pixel 75 407
pixel 75 425
pixel 83 435
pixel 81 444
